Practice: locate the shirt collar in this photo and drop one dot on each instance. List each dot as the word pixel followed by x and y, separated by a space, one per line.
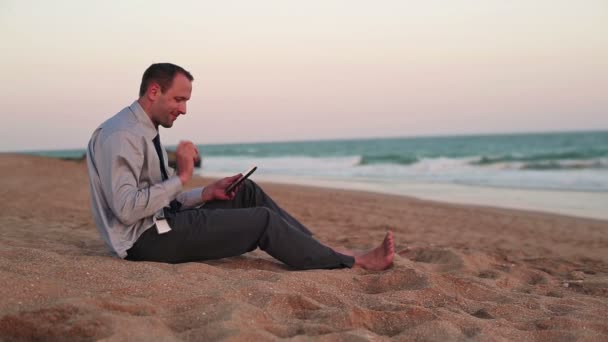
pixel 140 114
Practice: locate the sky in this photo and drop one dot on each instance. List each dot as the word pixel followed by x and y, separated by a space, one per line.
pixel 306 70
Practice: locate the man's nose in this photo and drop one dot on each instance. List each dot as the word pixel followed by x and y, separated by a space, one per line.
pixel 182 108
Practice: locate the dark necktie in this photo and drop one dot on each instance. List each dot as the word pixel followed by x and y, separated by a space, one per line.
pixel 159 152
pixel 175 205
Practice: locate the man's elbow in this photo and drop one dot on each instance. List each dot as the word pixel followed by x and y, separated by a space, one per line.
pixel 126 208
pixel 126 216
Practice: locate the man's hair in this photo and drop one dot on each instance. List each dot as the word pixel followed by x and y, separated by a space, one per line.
pixel 163 74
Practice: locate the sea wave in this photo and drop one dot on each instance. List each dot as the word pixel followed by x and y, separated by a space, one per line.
pixel 564 176
pixel 512 162
pixel 552 162
pixel 543 156
pixel 387 159
pixel 358 164
pixel 600 163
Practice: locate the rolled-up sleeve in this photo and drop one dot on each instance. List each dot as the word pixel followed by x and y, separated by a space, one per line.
pixel 121 162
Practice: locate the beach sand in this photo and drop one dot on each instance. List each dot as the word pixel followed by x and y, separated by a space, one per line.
pixel 460 273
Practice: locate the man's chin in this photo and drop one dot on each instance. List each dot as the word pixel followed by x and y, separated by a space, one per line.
pixel 167 125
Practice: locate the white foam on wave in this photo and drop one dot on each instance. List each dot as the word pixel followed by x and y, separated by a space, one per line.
pixel 430 170
pixel 563 164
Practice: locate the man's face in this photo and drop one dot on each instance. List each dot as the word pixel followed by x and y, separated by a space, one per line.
pixel 167 106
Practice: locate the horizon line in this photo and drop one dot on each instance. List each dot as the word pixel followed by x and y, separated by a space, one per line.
pixel 417 136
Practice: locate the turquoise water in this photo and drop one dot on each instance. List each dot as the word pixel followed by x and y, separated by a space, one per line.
pixel 543 151
pixel 557 161
pixel 576 161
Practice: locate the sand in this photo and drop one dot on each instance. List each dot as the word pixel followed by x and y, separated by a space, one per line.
pixel 460 273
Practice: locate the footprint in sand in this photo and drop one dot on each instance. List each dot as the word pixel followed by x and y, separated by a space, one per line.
pixel 125 306
pixel 386 323
pixel 597 288
pixel 291 306
pixel 561 309
pixel 483 314
pixel 534 278
pixel 396 280
pixel 446 260
pixel 55 323
pixel 488 274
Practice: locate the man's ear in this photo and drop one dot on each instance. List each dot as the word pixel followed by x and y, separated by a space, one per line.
pixel 154 91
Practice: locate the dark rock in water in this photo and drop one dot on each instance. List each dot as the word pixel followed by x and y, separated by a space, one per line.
pixel 171 160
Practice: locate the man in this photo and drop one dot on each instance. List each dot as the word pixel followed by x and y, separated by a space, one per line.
pixel 142 213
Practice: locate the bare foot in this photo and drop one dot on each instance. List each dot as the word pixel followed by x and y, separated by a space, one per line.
pixel 379 258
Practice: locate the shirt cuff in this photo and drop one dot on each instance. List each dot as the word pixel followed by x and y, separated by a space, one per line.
pixel 191 198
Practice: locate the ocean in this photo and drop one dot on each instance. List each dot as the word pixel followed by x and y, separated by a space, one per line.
pixel 558 161
pixel 564 172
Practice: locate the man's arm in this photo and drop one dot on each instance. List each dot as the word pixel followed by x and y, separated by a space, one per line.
pixel 120 164
pixel 191 198
pixel 185 156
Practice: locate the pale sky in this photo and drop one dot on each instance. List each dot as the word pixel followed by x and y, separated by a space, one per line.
pixel 304 70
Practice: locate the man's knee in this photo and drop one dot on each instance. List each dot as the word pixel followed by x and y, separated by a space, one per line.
pixel 272 226
pixel 267 218
pixel 260 216
pixel 248 183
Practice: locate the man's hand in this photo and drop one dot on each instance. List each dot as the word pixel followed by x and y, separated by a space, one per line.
pixel 185 156
pixel 217 190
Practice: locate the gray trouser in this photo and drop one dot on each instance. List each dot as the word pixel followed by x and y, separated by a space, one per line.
pixel 228 228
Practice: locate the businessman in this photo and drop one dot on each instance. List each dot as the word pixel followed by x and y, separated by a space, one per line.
pixel 143 214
